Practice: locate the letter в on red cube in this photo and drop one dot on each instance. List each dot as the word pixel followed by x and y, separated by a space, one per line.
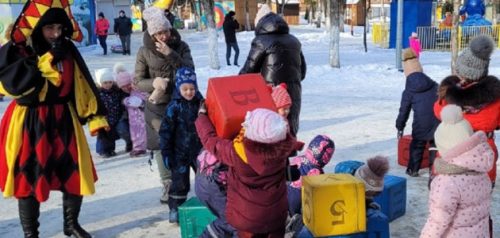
pixel 230 98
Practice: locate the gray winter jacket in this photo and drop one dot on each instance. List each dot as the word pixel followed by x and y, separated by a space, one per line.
pixel 151 64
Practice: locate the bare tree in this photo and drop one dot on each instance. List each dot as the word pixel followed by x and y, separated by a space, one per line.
pixel 326 5
pixel 247 17
pixel 383 12
pixel 196 14
pixel 281 6
pixel 342 15
pixel 309 10
pixel 367 5
pixel 320 13
pixel 334 12
pixel 454 35
pixel 494 10
pixel 213 56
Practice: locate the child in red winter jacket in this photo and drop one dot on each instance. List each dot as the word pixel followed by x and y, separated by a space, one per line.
pixel 283 103
pixel 257 191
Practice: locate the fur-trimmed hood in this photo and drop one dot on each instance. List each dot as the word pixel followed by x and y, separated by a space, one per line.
pixel 486 91
pixel 473 154
pixel 261 155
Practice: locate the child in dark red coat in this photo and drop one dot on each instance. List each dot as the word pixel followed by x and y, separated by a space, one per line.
pixel 256 192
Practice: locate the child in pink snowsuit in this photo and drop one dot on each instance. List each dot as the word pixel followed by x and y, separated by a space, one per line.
pixel 135 108
pixel 460 196
pixel 415 44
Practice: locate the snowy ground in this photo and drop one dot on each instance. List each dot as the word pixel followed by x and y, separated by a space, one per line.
pixel 356 105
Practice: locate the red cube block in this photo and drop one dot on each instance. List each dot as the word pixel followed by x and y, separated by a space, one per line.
pixel 230 98
pixel 404 152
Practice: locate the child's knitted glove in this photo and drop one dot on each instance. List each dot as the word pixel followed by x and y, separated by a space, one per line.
pixel 161 83
pixel 156 96
pixel 400 134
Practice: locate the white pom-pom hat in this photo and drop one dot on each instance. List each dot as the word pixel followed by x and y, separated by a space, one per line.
pixel 453 130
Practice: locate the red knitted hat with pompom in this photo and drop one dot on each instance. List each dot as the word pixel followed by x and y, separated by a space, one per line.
pixel 281 97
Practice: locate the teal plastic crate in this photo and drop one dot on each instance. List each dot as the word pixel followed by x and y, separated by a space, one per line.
pixel 193 218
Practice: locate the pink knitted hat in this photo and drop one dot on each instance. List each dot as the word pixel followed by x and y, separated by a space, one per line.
pixel 123 79
pixel 265 126
pixel 281 97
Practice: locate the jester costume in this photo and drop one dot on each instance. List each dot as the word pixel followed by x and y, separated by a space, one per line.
pixel 42 142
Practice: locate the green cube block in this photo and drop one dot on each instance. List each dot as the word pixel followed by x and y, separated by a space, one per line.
pixel 193 218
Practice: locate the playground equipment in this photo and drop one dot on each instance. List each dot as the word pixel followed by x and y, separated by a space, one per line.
pixel 417 18
pixel 475 10
pixel 416 13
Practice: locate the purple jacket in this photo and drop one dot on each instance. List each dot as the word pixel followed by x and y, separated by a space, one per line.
pixel 257 192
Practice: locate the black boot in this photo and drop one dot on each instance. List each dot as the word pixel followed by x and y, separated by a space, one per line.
pixel 129 147
pixel 29 211
pixel 71 210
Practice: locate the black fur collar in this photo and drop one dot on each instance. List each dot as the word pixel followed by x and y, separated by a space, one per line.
pixel 486 91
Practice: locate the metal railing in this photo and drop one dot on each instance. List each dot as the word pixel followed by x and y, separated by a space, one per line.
pixel 380 34
pixel 439 38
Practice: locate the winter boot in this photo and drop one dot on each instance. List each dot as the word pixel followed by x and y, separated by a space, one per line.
pixel 173 216
pixel 164 192
pixel 71 210
pixel 29 211
pixel 129 147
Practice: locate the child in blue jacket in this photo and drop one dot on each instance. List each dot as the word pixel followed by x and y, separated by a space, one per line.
pixel 419 95
pixel 179 141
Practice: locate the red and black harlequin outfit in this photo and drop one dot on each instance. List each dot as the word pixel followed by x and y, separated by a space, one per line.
pixel 42 143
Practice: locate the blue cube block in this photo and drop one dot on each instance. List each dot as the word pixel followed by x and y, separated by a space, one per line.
pixel 392 200
pixel 348 167
pixel 377 226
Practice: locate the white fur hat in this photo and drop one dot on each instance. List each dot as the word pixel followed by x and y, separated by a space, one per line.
pixel 156 20
pixel 104 75
pixel 453 130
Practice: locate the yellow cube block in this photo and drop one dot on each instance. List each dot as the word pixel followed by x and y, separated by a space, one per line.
pixel 333 204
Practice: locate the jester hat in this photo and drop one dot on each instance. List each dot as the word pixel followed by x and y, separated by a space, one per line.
pixel 43 12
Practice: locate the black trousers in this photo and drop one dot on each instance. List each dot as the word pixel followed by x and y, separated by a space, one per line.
pixel 233 45
pixel 417 148
pixel 177 194
pixel 125 40
pixel 102 42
